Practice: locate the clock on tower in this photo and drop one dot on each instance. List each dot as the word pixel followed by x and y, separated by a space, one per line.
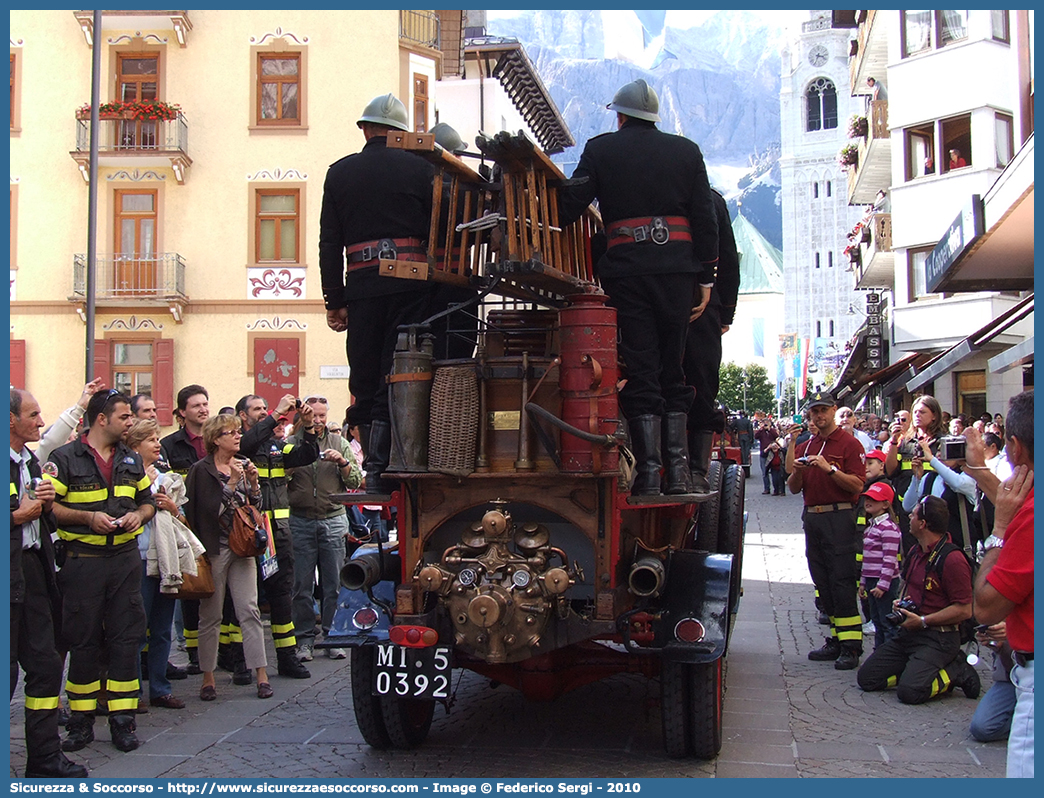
pixel 818 55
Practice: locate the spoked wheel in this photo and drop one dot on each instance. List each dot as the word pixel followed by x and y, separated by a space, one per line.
pixel 730 529
pixel 707 522
pixel 674 708
pixel 407 721
pixel 367 707
pixel 706 699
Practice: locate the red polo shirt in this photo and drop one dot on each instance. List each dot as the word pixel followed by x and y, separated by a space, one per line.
pixel 197 444
pixel 840 449
pixel 1012 576
pixel 933 591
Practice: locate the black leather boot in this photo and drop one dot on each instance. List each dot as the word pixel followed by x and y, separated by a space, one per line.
pixel 701 442
pixel 290 665
pixel 54 766
pixel 645 443
pixel 364 438
pixel 80 730
pixel 241 674
pixel 675 454
pixel 121 731
pixel 376 460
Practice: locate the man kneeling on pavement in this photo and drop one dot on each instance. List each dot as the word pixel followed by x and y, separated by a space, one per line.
pixel 926 659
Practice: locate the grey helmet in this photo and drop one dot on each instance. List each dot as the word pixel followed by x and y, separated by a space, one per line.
pixel 386 110
pixel 448 138
pixel 637 99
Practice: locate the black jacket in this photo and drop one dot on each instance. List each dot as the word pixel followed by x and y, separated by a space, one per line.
pixel 272 457
pixel 727 280
pixel 640 171
pixel 178 452
pixel 373 194
pixel 47 527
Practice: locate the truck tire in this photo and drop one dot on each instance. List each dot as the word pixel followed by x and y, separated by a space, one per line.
pixel 706 696
pixel 367 706
pixel 675 708
pixel 730 528
pixel 406 721
pixel 707 522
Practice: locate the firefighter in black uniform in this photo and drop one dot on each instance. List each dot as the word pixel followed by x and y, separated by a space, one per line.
pixel 272 457
pixel 703 350
pixel 104 499
pixel 662 232
pixel 34 598
pixel 376 204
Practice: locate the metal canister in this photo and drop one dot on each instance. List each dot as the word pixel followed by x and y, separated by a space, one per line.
pixel 409 392
pixel 587 381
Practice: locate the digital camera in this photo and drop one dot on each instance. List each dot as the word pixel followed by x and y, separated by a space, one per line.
pixel 907 604
pixel 952 447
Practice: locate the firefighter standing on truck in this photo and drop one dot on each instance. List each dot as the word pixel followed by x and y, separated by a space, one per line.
pixel 662 231
pixel 103 500
pixel 272 457
pixel 376 204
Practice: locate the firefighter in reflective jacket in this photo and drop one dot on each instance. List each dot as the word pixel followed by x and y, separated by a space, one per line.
pixel 272 457
pixel 103 500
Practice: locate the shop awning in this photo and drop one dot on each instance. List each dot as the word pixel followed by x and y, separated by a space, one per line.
pixel 973 343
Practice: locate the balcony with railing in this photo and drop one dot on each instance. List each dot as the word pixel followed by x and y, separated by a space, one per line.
pixel 129 139
pixel 876 265
pixel 873 169
pixel 419 29
pixel 133 280
pixel 177 22
pixel 870 50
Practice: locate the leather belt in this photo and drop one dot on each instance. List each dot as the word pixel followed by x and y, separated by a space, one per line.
pixel 658 229
pixel 947 628
pixel 1022 657
pixel 829 508
pixel 369 253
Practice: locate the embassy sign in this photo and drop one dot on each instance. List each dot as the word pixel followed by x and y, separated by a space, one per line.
pixel 961 234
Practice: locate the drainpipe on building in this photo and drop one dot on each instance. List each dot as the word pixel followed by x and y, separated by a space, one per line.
pixel 92 193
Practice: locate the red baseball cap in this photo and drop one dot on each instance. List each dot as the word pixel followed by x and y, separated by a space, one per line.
pixel 876 454
pixel 880 492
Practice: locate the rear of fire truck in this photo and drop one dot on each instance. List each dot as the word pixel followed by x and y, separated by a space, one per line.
pixel 519 553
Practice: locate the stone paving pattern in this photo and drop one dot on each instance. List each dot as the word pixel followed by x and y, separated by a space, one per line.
pixel 784 716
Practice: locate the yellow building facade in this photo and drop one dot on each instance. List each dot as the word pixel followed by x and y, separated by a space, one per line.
pixel 216 133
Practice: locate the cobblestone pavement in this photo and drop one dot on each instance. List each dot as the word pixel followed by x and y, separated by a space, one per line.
pixel 784 716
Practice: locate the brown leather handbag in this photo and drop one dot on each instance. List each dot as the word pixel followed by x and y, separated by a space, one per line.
pixel 250 532
pixel 200 586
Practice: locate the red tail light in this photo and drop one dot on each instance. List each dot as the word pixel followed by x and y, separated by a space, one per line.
pixel 365 618
pixel 413 636
pixel 689 630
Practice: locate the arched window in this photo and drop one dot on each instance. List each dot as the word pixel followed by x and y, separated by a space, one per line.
pixel 821 100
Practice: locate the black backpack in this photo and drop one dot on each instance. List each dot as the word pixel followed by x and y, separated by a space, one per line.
pixel 967 626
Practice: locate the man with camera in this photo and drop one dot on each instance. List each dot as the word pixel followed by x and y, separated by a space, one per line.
pixel 829 469
pixel 926 660
pixel 272 457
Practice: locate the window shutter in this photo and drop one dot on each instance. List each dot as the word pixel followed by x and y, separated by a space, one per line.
pixel 103 361
pixel 18 364
pixel 163 380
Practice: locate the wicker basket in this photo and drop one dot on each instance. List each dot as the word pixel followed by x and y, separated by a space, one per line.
pixel 454 426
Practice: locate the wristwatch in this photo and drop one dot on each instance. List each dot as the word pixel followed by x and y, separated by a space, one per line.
pixel 992 542
pixel 833 469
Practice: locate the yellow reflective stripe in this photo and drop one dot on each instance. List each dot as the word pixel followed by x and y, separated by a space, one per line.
pixel 277 472
pixel 122 687
pixel 282 628
pixel 51 702
pixel 852 620
pixel 288 448
pixel 859 557
pixel 236 637
pixel 284 642
pixel 128 491
pixel 191 642
pixel 87 496
pixel 143 483
pixel 72 687
pixel 98 540
pixel 861 520
pixel 908 465
pixel 262 472
pixel 14 490
pixel 850 635
pixel 117 704
pixel 892 681
pixel 283 512
pixel 83 704
pixel 223 638
pixel 59 487
pixel 192 634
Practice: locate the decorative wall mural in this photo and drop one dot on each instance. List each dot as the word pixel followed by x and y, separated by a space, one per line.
pixel 273 283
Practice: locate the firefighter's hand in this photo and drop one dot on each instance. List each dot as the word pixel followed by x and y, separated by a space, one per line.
pixel 102 523
pixel 337 320
pixel 129 522
pixel 28 510
pixel 307 418
pixel 910 622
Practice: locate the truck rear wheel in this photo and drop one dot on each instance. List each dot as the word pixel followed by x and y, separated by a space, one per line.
pixel 707 522
pixel 706 696
pixel 730 529
pixel 367 707
pixel 406 721
pixel 674 708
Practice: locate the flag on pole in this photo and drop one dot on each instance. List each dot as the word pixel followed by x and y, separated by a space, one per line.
pixel 801 367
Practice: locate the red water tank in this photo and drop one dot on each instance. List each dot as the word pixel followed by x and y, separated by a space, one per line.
pixel 587 382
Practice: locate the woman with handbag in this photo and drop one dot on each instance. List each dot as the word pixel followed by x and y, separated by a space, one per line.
pixel 218 485
pixel 161 567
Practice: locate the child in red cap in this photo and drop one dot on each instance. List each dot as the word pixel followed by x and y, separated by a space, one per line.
pixel 879 579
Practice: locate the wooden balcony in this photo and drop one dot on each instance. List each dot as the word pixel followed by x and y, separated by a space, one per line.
pixel 870 59
pixel 873 171
pixel 876 267
pixel 137 143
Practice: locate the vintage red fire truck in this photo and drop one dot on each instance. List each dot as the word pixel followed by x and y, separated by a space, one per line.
pixel 519 553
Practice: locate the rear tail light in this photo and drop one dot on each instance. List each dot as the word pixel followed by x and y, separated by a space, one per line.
pixel 689 630
pixel 413 636
pixel 366 618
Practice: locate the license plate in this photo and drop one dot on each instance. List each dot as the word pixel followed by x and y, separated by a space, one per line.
pixel 418 673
